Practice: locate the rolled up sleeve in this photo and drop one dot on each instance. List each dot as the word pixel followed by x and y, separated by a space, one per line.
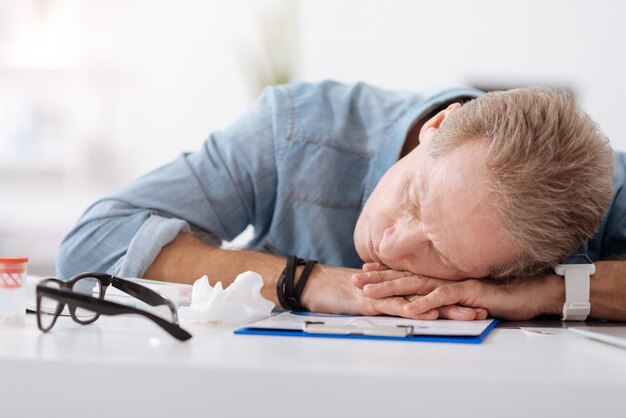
pixel 215 193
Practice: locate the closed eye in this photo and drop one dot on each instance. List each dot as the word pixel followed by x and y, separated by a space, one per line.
pixel 413 196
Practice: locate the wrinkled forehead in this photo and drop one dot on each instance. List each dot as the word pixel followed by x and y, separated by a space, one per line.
pixel 460 174
pixel 459 208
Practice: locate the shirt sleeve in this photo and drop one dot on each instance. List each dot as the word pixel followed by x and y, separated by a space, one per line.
pixel 214 193
pixel 609 241
pixel 613 238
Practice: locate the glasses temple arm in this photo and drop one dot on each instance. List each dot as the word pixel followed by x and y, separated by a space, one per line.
pixel 105 307
pixel 144 294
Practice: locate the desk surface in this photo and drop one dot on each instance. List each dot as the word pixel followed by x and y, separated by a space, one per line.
pixel 128 366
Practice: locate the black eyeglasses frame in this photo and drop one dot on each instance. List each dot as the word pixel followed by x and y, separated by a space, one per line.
pixel 66 295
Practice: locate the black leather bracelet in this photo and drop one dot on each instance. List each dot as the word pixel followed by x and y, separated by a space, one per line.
pixel 288 295
pixel 285 282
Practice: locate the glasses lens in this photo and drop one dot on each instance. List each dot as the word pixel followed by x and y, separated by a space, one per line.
pixel 48 307
pixel 89 286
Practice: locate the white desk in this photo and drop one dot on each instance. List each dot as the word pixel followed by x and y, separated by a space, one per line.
pixel 125 366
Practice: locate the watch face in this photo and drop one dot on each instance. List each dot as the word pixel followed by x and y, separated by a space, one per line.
pixel 577 259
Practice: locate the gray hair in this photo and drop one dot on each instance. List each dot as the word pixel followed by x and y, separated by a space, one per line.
pixel 551 167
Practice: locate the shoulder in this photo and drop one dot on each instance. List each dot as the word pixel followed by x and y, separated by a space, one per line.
pixel 358 93
pixel 359 104
pixel 354 118
pixel 347 116
pixel 330 96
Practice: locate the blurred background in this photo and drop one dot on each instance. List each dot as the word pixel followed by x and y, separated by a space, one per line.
pixel 95 93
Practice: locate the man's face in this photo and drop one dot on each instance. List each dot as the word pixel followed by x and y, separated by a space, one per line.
pixel 434 216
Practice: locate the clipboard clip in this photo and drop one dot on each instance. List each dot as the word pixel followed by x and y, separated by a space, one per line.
pixel 322 328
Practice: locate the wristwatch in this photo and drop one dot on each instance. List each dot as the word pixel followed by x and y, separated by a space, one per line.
pixel 577 270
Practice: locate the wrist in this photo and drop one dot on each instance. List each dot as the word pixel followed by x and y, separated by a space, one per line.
pixel 552 294
pixel 292 282
pixel 330 290
pixel 308 294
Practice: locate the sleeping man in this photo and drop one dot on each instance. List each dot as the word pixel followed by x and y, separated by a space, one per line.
pixel 451 204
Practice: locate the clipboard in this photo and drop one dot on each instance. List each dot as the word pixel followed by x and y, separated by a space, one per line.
pixel 308 324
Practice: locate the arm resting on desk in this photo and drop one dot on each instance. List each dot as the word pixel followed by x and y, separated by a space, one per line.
pixel 516 300
pixel 608 291
pixel 328 290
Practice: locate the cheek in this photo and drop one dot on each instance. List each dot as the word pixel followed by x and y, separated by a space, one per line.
pixel 375 210
pixel 373 217
pixel 386 201
pixel 365 224
pixel 360 237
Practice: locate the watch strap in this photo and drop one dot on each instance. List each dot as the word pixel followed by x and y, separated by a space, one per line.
pixel 577 306
pixel 577 289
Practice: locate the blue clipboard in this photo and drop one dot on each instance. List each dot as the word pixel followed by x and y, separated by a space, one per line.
pixel 319 333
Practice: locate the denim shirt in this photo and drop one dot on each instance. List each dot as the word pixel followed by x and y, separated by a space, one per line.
pixel 298 166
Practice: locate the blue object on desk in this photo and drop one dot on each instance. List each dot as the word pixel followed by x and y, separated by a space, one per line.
pixel 475 339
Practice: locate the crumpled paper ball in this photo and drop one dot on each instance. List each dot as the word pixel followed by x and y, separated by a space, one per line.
pixel 239 303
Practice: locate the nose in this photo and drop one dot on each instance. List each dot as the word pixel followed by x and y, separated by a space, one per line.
pixel 400 243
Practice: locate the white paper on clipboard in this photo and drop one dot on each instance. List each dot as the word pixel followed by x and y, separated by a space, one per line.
pixel 296 321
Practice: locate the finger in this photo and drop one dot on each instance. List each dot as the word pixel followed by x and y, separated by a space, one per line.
pixel 442 296
pixel 374 267
pixel 361 279
pixel 457 313
pixel 396 307
pixel 411 285
pixel 481 313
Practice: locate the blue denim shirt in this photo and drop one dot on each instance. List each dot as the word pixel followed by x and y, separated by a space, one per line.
pixel 298 166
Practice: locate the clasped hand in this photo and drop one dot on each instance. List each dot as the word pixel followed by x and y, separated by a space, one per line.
pixel 419 297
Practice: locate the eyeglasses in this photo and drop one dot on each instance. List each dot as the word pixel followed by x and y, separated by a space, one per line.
pixel 84 296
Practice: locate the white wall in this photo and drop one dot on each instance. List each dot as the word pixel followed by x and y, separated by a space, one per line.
pixel 93 94
pixel 408 44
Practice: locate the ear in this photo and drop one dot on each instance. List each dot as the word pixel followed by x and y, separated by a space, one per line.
pixel 431 126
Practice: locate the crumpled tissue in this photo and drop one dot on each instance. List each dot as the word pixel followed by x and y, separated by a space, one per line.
pixel 239 303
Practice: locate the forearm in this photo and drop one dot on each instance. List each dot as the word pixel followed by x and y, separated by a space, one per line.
pixel 329 289
pixel 187 258
pixel 607 292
